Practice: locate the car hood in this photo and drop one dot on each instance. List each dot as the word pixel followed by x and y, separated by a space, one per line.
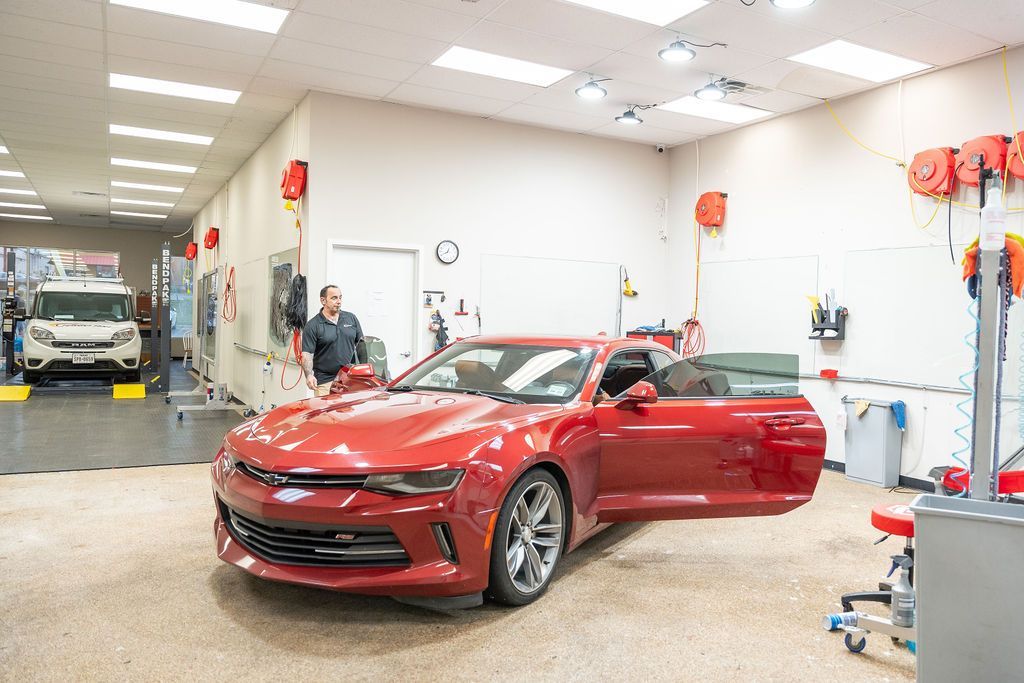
pixel 81 330
pixel 324 432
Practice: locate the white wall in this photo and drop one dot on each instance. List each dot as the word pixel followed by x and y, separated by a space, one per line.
pixel 798 186
pixel 388 173
pixel 253 225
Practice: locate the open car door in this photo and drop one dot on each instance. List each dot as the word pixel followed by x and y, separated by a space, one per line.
pixel 721 435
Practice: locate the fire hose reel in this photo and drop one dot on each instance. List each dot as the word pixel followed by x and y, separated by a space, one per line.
pixel 988 148
pixel 293 179
pixel 710 210
pixel 931 171
pixel 1015 165
pixel 191 250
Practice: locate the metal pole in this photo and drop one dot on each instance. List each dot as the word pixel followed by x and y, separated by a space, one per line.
pixel 988 355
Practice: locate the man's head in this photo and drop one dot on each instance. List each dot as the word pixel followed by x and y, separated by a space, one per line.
pixel 330 299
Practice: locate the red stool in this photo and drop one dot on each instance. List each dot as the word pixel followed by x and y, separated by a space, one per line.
pixel 895 519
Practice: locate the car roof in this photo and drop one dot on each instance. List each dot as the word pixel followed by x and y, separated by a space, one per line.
pixel 91 286
pixel 595 341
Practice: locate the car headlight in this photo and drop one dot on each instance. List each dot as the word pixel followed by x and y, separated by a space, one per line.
pixel 40 333
pixel 128 333
pixel 431 481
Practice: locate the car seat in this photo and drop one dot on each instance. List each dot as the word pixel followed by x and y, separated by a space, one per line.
pixel 474 374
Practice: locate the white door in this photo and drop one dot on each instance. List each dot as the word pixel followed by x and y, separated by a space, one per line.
pixel 378 285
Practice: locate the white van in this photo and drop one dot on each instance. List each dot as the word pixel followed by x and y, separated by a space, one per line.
pixel 82 327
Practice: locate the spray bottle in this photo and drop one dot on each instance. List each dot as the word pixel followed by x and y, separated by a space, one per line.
pixel 993 217
pixel 904 602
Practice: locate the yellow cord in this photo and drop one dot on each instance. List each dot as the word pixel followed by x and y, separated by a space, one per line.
pixel 899 162
pixel 913 213
pixel 1013 118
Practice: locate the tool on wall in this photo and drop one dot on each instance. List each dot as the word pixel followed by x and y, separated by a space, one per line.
pixel 987 150
pixel 710 210
pixel 462 308
pixel 1015 161
pixel 191 250
pixel 229 308
pixel 211 238
pixel 437 326
pixel 931 171
pixel 293 179
pixel 627 288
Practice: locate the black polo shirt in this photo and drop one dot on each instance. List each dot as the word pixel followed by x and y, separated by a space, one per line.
pixel 331 345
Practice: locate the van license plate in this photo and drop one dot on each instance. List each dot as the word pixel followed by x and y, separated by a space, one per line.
pixel 83 358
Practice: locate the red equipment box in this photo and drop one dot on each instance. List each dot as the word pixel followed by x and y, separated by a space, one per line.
pixel 664 337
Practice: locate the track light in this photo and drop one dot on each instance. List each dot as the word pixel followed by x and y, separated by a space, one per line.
pixel 629 118
pixel 591 90
pixel 677 52
pixel 711 92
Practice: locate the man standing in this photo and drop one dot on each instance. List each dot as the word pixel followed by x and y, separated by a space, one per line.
pixel 328 341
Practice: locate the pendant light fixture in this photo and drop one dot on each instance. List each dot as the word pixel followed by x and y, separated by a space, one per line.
pixel 712 92
pixel 591 90
pixel 629 117
pixel 679 50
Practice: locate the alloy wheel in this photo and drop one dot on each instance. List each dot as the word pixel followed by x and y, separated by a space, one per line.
pixel 534 537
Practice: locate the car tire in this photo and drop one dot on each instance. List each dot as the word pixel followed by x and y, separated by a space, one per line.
pixel 133 377
pixel 521 571
pixel 29 377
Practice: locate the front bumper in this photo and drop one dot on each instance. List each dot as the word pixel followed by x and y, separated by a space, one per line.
pixel 123 357
pixel 424 571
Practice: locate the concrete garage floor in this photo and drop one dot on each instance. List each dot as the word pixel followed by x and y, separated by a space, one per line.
pixel 112 575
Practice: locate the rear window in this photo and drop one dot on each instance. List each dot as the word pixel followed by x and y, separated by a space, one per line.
pixel 88 306
pixel 729 374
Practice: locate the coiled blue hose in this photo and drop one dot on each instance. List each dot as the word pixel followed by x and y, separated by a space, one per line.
pixel 965 407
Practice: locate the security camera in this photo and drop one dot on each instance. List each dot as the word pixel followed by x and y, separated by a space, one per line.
pixel 660 148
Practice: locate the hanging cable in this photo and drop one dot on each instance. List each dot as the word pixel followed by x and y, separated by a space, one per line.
pixel 229 308
pixel 949 222
pixel 899 162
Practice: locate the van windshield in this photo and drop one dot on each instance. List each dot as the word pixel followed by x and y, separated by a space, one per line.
pixel 86 306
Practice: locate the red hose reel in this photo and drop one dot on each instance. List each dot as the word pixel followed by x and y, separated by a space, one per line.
pixel 990 148
pixel 710 210
pixel 1015 164
pixel 931 171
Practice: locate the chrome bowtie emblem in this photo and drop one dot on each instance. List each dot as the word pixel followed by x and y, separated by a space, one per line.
pixel 275 479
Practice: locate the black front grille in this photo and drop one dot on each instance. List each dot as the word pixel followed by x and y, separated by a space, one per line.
pixel 82 345
pixel 68 365
pixel 316 545
pixel 303 479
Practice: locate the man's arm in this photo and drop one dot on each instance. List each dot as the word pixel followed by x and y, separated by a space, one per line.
pixel 307 370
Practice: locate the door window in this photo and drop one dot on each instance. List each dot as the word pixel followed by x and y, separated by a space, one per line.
pixel 625 369
pixel 729 374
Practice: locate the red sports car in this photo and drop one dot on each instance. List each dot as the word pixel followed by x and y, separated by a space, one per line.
pixel 474 471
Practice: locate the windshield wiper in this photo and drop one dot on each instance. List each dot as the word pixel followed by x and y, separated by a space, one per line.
pixel 496 397
pixel 399 387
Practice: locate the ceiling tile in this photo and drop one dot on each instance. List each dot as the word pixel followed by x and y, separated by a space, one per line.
pixel 177 72
pixel 572 23
pixel 650 71
pixel 50 70
pixel 562 96
pixel 999 20
pixel 77 12
pixel 739 27
pixel 781 101
pixel 480 8
pixel 926 40
pixel 299 52
pixel 408 93
pixel 552 118
pixel 694 125
pixel 134 22
pixel 472 84
pixel 804 80
pixel 327 79
pixel 835 18
pixel 48 52
pixel 532 47
pixel 643 133
pixel 314 28
pixel 395 15
pixel 173 53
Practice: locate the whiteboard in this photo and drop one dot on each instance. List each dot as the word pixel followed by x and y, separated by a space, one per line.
pixel 760 306
pixel 908 318
pixel 530 295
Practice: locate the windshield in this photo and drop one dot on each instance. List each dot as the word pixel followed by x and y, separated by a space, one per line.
pixel 531 374
pixel 83 306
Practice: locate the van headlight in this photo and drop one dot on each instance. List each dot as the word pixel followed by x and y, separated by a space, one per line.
pixel 431 481
pixel 39 333
pixel 124 335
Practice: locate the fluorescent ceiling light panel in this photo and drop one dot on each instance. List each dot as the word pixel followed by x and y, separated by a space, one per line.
pixel 152 165
pixel 139 202
pixel 496 66
pixel 3 150
pixel 719 111
pixel 174 88
pixel 17 205
pixel 25 215
pixel 657 12
pixel 12 174
pixel 861 62
pixel 154 134
pixel 139 215
pixel 145 186
pixel 230 12
pixel 11 190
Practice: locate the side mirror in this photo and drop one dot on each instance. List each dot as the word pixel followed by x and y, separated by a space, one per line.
pixel 638 394
pixel 361 370
pixel 142 319
pixel 19 314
